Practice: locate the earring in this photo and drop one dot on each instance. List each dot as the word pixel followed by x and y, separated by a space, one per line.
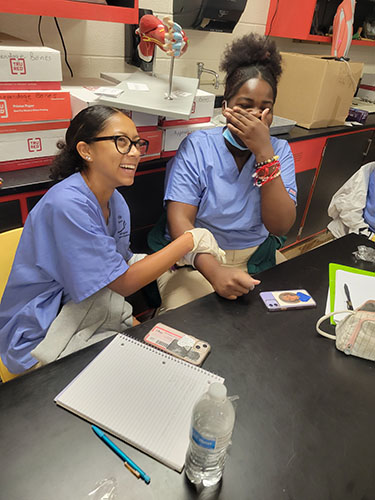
pixel 88 158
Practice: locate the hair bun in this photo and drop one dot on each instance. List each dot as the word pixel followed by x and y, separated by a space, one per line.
pixel 251 50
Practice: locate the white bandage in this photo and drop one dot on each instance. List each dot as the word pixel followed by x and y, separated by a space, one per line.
pixel 204 242
pixel 136 257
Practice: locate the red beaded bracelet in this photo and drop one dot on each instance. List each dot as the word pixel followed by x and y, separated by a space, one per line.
pixel 265 169
pixel 259 180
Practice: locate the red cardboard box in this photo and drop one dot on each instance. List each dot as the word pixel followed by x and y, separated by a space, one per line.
pixel 34 106
pixel 155 137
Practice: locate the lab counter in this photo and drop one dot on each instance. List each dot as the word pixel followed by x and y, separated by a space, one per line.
pixel 325 158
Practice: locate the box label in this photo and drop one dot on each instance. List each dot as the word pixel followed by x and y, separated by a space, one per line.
pixel 17 66
pixel 3 109
pixel 34 144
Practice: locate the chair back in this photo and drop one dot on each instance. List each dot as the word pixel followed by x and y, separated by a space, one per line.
pixel 8 246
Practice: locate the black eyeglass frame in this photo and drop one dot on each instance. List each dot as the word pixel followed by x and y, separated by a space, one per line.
pixel 115 138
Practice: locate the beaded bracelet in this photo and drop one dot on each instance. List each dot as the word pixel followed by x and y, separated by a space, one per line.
pixel 259 181
pixel 270 160
pixel 266 169
pixel 271 178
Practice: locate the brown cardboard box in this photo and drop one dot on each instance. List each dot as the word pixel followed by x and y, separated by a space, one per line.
pixel 316 92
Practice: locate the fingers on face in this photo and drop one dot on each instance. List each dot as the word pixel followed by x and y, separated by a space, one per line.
pixel 253 116
pixel 237 122
pixel 265 114
pixel 241 117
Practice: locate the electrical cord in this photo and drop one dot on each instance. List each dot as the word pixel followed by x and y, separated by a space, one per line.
pixel 63 44
pixel 40 31
pixel 273 18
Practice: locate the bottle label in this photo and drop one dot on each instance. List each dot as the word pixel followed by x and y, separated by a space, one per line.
pixel 201 441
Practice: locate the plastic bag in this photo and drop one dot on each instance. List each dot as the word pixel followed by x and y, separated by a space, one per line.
pixel 365 253
pixel 104 490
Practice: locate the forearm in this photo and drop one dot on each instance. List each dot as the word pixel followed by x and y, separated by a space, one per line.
pixel 278 209
pixel 180 219
pixel 207 265
pixel 179 222
pixel 177 228
pixel 151 267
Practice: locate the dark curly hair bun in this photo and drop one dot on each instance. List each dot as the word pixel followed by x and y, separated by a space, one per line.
pixel 251 56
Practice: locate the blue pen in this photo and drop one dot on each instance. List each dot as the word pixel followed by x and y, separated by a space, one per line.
pixel 129 464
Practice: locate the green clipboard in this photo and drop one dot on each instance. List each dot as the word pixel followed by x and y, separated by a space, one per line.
pixel 332 281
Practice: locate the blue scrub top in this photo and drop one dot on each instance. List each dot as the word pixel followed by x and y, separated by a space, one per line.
pixel 66 252
pixel 369 211
pixel 204 174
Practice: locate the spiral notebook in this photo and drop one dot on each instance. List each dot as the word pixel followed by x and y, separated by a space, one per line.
pixel 140 395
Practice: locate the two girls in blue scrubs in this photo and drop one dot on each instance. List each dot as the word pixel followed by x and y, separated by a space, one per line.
pixel 238 182
pixel 76 239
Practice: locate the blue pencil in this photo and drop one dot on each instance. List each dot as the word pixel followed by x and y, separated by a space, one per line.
pixel 128 462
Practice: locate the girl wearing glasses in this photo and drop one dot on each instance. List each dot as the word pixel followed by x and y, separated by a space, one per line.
pixel 73 265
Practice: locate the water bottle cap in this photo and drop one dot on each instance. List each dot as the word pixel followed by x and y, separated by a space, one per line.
pixel 217 391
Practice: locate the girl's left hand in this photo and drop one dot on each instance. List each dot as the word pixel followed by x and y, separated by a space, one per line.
pixel 252 131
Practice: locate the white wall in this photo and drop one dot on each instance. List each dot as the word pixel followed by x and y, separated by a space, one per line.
pixel 94 46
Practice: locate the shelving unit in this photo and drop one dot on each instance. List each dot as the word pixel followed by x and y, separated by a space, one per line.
pixel 72 10
pixel 293 19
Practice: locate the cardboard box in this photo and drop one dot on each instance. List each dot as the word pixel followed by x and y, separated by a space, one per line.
pixel 34 106
pixel 143 121
pixel 10 166
pixel 80 97
pixel 201 111
pixel 34 144
pixel 366 89
pixel 83 96
pixel 155 138
pixel 20 86
pixel 203 104
pixel 22 62
pixel 173 136
pixel 316 92
pixel 10 128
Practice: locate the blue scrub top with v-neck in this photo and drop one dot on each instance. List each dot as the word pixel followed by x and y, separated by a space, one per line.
pixel 369 211
pixel 66 252
pixel 204 174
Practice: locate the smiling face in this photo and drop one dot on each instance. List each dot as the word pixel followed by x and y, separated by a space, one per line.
pixel 105 165
pixel 289 297
pixel 254 96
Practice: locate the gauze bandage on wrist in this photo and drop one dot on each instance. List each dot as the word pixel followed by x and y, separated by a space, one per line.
pixel 136 257
pixel 204 242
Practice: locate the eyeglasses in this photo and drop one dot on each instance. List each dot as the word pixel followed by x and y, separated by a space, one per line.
pixel 124 144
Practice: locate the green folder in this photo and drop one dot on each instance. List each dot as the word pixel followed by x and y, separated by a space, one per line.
pixel 333 268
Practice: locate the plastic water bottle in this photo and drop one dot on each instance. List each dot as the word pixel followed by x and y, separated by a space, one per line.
pixel 211 430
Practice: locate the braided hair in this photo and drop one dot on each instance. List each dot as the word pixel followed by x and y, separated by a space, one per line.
pixel 85 126
pixel 251 56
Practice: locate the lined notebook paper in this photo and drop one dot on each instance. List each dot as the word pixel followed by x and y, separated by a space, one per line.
pixel 141 395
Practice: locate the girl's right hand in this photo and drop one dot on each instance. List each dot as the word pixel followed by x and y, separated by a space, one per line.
pixel 253 131
pixel 231 283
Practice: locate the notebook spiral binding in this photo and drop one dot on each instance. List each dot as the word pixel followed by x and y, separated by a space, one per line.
pixel 163 354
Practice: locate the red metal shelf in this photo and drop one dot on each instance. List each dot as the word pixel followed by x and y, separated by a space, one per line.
pixel 293 19
pixel 328 39
pixel 73 10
